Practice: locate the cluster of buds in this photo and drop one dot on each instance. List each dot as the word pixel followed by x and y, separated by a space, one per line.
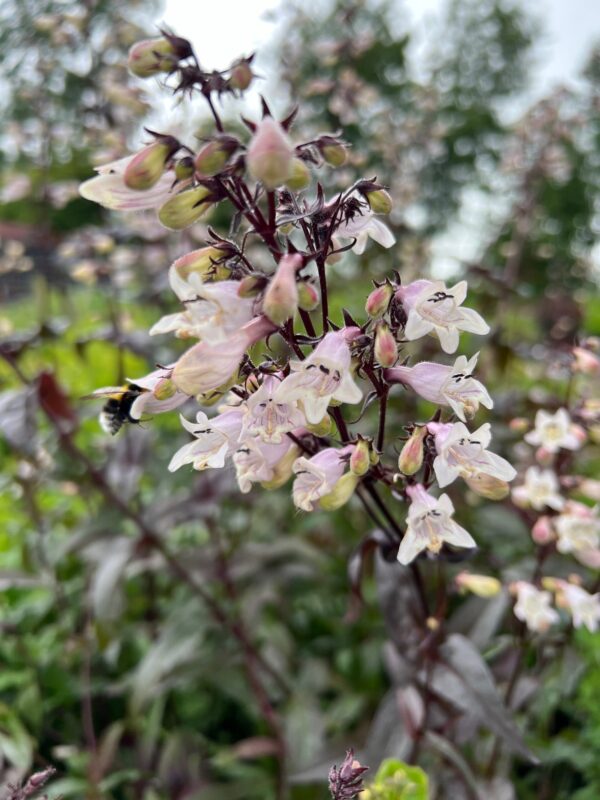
pixel 264 350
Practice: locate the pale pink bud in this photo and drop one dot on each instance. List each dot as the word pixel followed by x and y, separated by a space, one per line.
pixel 585 361
pixel 410 459
pixel 379 300
pixel 241 75
pixel 542 531
pixel 270 157
pixel 281 298
pixel 360 460
pixel 386 349
pixel 544 457
pixel 308 296
pixel 147 166
pixel 519 424
pixel 151 56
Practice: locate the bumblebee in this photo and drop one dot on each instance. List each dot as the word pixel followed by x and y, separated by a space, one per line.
pixel 118 408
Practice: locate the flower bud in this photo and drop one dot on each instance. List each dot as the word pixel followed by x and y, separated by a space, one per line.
pixel 322 428
pixel 300 177
pixel 270 157
pixel 146 168
pixel 151 57
pixel 379 300
pixel 360 461
pixel 184 168
pixel 215 154
pixel 334 153
pixel 410 459
pixel 241 75
pixel 487 486
pixel 519 424
pixel 481 585
pixel 281 298
pixel 184 208
pixel 201 262
pixel 380 201
pixel 164 389
pixel 342 492
pixel 252 285
pixel 585 361
pixel 542 532
pixel 386 349
pixel 308 296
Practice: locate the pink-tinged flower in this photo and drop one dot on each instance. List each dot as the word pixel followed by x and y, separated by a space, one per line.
pixel 267 419
pixel 539 490
pixel 585 361
pixel 317 477
pixel 464 454
pixel 216 439
pixel 257 462
pixel 109 190
pixel 363 227
pixel 270 156
pixel 452 386
pixel 429 524
pixel 434 308
pixel 161 393
pixel 206 366
pixel 577 528
pixel 583 606
pixel 553 431
pixel 542 531
pixel 322 377
pixel 280 301
pixel 533 607
pixel 212 313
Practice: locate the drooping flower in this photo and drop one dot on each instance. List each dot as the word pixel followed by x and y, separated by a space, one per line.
pixel 268 419
pixel 583 606
pixel 109 190
pixel 533 607
pixel 540 489
pixel 577 528
pixel 363 227
pixel 553 431
pixel 429 524
pixel 256 462
pixel 452 386
pixel 464 454
pixel 317 477
pixel 213 313
pixel 216 439
pixel 206 366
pixel 434 308
pixel 322 377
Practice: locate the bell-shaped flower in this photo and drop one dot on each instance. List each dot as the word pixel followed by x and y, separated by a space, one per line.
pixel 464 454
pixel 429 524
pixel 212 314
pixel 108 188
pixel 206 365
pixel 363 227
pixel 539 490
pixel 434 308
pixel 577 528
pixel 317 477
pixel 268 419
pixel 215 440
pixel 555 431
pixel 160 395
pixel 452 386
pixel 583 606
pixel 533 607
pixel 323 376
pixel 257 462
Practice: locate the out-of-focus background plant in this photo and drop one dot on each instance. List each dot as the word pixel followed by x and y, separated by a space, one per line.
pixel 137 607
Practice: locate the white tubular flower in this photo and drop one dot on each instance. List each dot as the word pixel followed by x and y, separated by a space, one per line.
pixel 577 528
pixel 429 524
pixel 583 606
pixel 434 308
pixel 267 419
pixel 362 227
pixel 213 312
pixel 553 431
pixel 533 607
pixel 452 386
pixel 256 462
pixel 464 454
pixel 540 489
pixel 322 377
pixel 215 440
pixel 108 188
pixel 317 476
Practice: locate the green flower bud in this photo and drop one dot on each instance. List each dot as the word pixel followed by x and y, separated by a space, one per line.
pixel 241 76
pixel 360 461
pixel 184 168
pixel 147 166
pixel 308 296
pixel 215 154
pixel 184 208
pixel 252 285
pixel 380 201
pixel 334 153
pixel 151 57
pixel 300 177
